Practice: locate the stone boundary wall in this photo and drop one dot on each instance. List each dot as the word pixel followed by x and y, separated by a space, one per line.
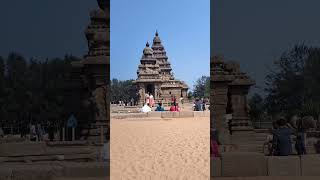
pixel 51 171
pixel 164 114
pixel 255 164
pixel 41 151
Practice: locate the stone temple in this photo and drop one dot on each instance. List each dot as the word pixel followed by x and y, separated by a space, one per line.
pixel 155 75
pixel 229 89
pixel 90 77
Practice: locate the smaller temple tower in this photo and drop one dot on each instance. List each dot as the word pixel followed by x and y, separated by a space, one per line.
pixel 155 76
pixel 229 89
pixel 90 76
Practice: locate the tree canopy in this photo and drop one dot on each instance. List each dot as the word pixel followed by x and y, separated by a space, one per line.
pixel 293 86
pixel 34 90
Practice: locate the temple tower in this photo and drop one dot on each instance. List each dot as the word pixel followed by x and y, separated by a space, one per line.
pixel 155 75
pixel 92 74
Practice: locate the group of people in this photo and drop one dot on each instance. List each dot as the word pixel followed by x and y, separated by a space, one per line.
pixel 279 142
pixel 199 105
pixel 150 102
pixel 36 132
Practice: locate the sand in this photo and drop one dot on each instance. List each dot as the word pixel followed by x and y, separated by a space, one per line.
pixel 155 149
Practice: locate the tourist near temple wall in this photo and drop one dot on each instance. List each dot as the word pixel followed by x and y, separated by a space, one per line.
pixel 155 76
pixel 91 76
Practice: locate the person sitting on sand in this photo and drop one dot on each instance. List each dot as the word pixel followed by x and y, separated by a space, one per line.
pixel 146 108
pixel 159 107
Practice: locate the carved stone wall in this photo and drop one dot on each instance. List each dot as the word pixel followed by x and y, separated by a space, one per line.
pixel 229 89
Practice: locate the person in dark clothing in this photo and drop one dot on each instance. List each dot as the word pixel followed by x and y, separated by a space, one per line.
pixel 51 131
pixel 282 139
pixel 203 105
pixel 300 147
pixel 230 126
pixel 300 141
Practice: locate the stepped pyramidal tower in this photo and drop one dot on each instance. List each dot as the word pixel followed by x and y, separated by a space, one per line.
pixel 155 75
pixel 90 76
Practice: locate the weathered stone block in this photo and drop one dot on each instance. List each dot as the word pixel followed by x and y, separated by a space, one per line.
pixel 166 114
pixel 154 114
pixel 310 165
pixel 88 169
pixel 176 114
pixel 284 166
pixel 22 149
pixel 198 114
pixel 243 164
pixel 215 167
pixel 184 114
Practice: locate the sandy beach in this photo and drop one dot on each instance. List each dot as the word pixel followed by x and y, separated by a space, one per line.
pixel 176 148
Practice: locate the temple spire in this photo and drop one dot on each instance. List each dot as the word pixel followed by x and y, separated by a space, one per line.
pixel 157 33
pixel 147 44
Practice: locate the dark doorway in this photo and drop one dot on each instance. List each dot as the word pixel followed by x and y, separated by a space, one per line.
pixel 150 89
pixel 229 104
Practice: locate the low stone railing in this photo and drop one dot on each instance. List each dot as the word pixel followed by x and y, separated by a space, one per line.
pixel 163 114
pixel 55 170
pixel 39 151
pixel 256 164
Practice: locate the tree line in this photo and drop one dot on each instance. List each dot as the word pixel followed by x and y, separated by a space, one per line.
pixel 34 90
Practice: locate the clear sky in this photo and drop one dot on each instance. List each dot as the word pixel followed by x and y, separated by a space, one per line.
pixel 183 26
pixel 255 33
pixel 37 28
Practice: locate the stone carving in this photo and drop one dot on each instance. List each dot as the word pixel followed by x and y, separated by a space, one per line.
pixel 154 74
pixel 229 88
pixel 92 73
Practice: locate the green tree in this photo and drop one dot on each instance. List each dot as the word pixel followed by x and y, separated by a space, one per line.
pixel 202 87
pixel 123 90
pixel 256 104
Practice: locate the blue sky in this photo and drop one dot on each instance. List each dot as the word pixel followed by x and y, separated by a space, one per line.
pixel 183 26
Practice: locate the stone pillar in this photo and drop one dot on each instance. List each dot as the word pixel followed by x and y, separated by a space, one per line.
pixel 241 119
pixel 63 134
pixel 141 94
pixel 219 102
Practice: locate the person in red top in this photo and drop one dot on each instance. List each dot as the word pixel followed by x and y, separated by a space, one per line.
pixel 174 107
pixel 214 146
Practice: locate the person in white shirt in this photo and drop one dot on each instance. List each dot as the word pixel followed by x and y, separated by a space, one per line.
pixel 146 108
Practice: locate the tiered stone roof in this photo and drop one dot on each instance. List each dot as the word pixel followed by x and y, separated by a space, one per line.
pixel 155 66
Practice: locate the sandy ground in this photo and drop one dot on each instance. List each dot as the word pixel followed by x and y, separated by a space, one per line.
pixel 155 149
pixel 269 178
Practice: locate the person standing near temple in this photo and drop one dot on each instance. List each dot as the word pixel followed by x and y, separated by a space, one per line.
pixel 147 99
pixel 151 99
pixel 51 131
pixel 282 139
pixel 33 133
pixel 39 132
pixel 1 131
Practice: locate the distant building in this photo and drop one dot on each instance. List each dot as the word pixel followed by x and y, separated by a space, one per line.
pixel 155 76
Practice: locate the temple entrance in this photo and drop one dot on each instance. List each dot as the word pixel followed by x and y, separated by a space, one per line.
pixel 150 89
